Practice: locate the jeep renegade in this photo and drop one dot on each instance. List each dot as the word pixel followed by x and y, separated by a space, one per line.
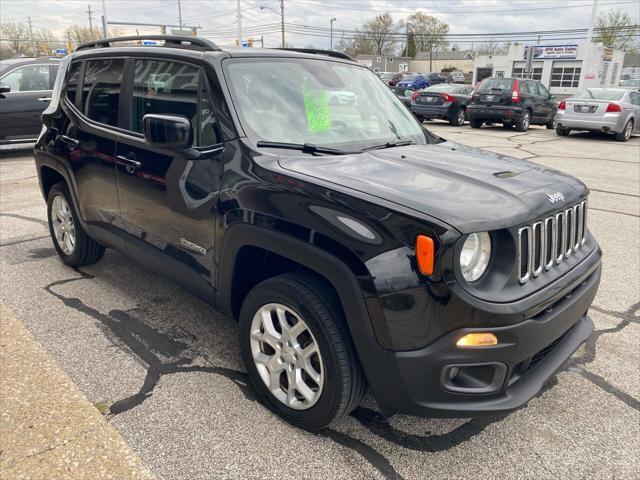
pixel 356 249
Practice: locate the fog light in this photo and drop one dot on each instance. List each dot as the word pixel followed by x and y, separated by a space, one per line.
pixel 477 340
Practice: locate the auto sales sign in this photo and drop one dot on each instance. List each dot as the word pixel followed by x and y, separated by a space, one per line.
pixel 567 52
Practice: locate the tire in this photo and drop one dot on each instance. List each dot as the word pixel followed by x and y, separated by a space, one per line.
pixel 475 123
pixel 561 131
pixel 460 118
pixel 625 134
pixel 420 118
pixel 300 297
pixel 75 248
pixel 522 125
pixel 551 125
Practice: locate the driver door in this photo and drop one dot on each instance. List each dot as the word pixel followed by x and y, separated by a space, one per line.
pixel 168 198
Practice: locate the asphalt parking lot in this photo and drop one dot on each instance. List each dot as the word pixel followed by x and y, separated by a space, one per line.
pixel 167 370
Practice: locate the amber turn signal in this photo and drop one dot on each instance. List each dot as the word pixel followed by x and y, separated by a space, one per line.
pixel 477 340
pixel 425 254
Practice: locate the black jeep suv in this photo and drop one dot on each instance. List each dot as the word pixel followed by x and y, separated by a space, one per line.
pixel 512 101
pixel 356 249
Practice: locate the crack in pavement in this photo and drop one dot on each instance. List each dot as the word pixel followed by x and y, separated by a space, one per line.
pixel 148 345
pixel 26 218
pixel 576 365
pixel 26 240
pixel 613 211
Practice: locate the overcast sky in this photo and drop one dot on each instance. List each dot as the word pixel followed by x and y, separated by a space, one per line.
pixel 219 22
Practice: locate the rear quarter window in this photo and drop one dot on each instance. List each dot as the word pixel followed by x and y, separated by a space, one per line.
pixel 101 90
pixel 73 81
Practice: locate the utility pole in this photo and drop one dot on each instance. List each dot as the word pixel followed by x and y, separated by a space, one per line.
pixel 282 20
pixel 180 14
pixel 333 19
pixel 594 9
pixel 239 15
pixel 33 45
pixel 105 32
pixel 90 17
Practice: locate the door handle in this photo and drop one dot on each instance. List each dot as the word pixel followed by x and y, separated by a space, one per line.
pixel 44 99
pixel 129 162
pixel 71 141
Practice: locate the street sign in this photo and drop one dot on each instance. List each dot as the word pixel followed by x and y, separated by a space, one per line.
pixel 60 51
pixel 149 42
pixel 403 67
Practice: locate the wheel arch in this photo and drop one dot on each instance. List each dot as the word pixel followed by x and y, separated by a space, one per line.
pixel 248 246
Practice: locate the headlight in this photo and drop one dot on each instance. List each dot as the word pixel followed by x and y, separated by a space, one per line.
pixel 475 255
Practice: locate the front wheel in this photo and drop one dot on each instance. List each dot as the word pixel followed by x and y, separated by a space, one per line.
pixel 625 134
pixel 475 123
pixel 522 125
pixel 459 119
pixel 74 246
pixel 297 351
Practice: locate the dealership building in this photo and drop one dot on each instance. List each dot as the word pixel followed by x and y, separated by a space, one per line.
pixel 563 69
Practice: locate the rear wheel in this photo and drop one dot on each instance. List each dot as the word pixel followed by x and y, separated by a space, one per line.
pixel 297 351
pixel 551 124
pixel 72 243
pixel 561 131
pixel 475 123
pixel 625 134
pixel 459 119
pixel 522 125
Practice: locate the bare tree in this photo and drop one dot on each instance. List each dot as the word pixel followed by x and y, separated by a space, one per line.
pixel 490 47
pixel 615 29
pixel 80 34
pixel 429 33
pixel 16 38
pixel 379 33
pixel 45 42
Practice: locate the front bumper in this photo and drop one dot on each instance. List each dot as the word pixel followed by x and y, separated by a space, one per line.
pixel 503 377
pixel 614 123
pixel 494 113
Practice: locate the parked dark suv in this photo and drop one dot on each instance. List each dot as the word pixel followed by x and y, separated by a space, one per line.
pixel 25 91
pixel 513 102
pixel 356 249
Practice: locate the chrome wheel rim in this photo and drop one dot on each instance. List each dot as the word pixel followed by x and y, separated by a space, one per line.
pixel 287 356
pixel 461 117
pixel 63 226
pixel 526 120
pixel 627 130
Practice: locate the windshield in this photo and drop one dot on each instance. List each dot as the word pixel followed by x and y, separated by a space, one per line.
pixel 631 83
pixel 496 84
pixel 443 87
pixel 318 102
pixel 597 94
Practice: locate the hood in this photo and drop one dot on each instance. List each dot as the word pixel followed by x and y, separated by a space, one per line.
pixel 467 188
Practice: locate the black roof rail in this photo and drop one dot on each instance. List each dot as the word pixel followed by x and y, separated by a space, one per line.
pixel 330 53
pixel 169 41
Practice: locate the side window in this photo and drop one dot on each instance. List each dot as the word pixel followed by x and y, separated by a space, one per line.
pixel 101 90
pixel 542 90
pixel 73 81
pixel 635 98
pixel 29 78
pixel 176 89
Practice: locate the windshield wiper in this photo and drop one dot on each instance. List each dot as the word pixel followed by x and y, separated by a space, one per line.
pixel 401 143
pixel 303 147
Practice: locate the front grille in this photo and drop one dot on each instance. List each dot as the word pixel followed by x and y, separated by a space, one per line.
pixel 549 242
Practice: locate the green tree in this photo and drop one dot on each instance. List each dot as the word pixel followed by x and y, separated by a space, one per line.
pixel 615 29
pixel 410 48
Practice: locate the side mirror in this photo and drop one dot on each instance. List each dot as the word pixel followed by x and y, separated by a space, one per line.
pixel 167 131
pixel 4 88
pixel 552 97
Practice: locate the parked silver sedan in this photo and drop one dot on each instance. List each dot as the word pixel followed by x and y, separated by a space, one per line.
pixel 609 110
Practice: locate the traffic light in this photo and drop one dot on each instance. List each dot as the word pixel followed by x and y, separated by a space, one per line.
pixel 250 42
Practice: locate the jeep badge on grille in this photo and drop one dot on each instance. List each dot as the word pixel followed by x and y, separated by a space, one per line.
pixel 555 197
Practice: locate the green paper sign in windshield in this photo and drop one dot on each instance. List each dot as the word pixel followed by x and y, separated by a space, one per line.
pixel 316 104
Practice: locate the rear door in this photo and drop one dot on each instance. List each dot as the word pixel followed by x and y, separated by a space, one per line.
pixel 169 198
pixel 494 92
pixel 20 109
